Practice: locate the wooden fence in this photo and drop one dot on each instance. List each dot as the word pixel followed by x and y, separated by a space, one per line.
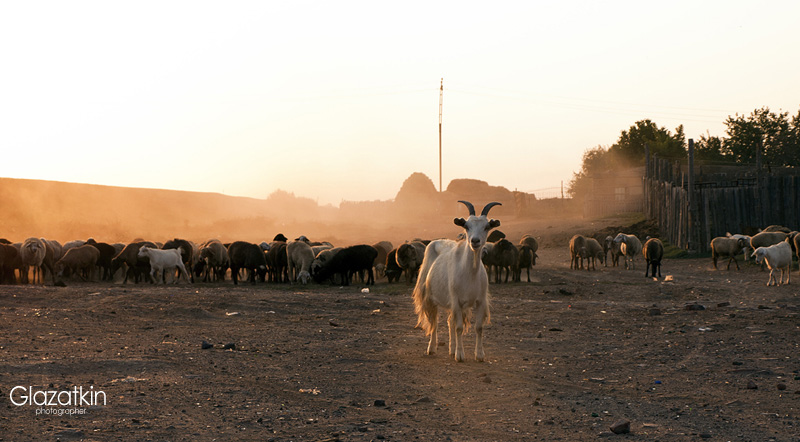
pixel 742 204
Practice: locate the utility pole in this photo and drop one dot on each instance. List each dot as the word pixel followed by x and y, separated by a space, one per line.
pixel 441 93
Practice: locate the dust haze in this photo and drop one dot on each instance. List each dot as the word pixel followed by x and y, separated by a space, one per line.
pixel 69 211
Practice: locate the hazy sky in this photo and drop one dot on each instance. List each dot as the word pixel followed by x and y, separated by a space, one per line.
pixel 340 100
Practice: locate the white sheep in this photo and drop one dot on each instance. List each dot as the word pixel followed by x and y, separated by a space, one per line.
pixel 632 248
pixel 777 256
pixel 161 260
pixel 33 252
pixel 299 258
pixel 453 277
pixel 726 246
pixel 766 238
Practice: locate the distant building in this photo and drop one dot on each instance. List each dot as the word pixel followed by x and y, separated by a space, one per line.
pixel 615 191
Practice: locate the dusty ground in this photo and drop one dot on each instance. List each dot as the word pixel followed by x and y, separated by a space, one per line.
pixel 569 354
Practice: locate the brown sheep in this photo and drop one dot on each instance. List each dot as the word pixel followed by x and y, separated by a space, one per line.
pixel 79 260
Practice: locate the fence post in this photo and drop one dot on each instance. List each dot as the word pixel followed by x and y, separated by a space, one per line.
pixel 691 244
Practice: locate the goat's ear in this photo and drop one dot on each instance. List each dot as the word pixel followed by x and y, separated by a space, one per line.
pixel 493 223
pixel 461 222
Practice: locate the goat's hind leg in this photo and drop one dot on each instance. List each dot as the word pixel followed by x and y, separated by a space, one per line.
pixel 451 327
pixel 433 319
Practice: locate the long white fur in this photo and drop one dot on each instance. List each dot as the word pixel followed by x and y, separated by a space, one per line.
pixel 453 277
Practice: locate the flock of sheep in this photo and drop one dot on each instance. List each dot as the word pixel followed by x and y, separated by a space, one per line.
pixel 302 260
pixel 452 275
pixel 773 246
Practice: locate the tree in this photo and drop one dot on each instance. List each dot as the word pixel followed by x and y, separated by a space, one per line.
pixel 630 145
pixel 628 151
pixel 594 161
pixel 775 133
pixel 709 148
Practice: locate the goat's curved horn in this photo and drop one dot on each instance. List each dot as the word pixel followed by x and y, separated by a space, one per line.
pixel 469 206
pixel 486 209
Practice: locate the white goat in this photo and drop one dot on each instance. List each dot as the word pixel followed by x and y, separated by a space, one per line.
pixel 453 277
pixel 161 260
pixel 777 256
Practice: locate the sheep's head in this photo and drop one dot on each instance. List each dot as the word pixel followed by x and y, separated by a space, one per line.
pixel 758 255
pixel 477 227
pixel 143 251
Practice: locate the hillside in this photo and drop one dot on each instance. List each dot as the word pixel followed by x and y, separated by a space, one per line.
pixel 67 211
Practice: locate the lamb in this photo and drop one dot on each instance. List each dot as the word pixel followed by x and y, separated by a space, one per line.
pixel 653 252
pixel 615 250
pixel 453 278
pixel 299 259
pixel 136 265
pixel 592 252
pixel 728 247
pixel 777 256
pixel 187 251
pixel 79 260
pixel 576 246
pixel 245 255
pixel 632 248
pixel 409 258
pixel 162 260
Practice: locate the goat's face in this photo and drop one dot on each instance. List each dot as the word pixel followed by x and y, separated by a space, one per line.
pixel 142 251
pixel 477 229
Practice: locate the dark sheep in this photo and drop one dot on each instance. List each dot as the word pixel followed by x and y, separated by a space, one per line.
pixel 525 261
pixel 107 253
pixel 393 271
pixel 495 235
pixel 503 256
pixel 347 262
pixel 245 255
pixel 9 260
pixel 278 262
pixel 653 252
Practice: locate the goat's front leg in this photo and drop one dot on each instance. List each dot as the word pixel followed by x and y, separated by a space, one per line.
pixel 480 318
pixel 458 316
